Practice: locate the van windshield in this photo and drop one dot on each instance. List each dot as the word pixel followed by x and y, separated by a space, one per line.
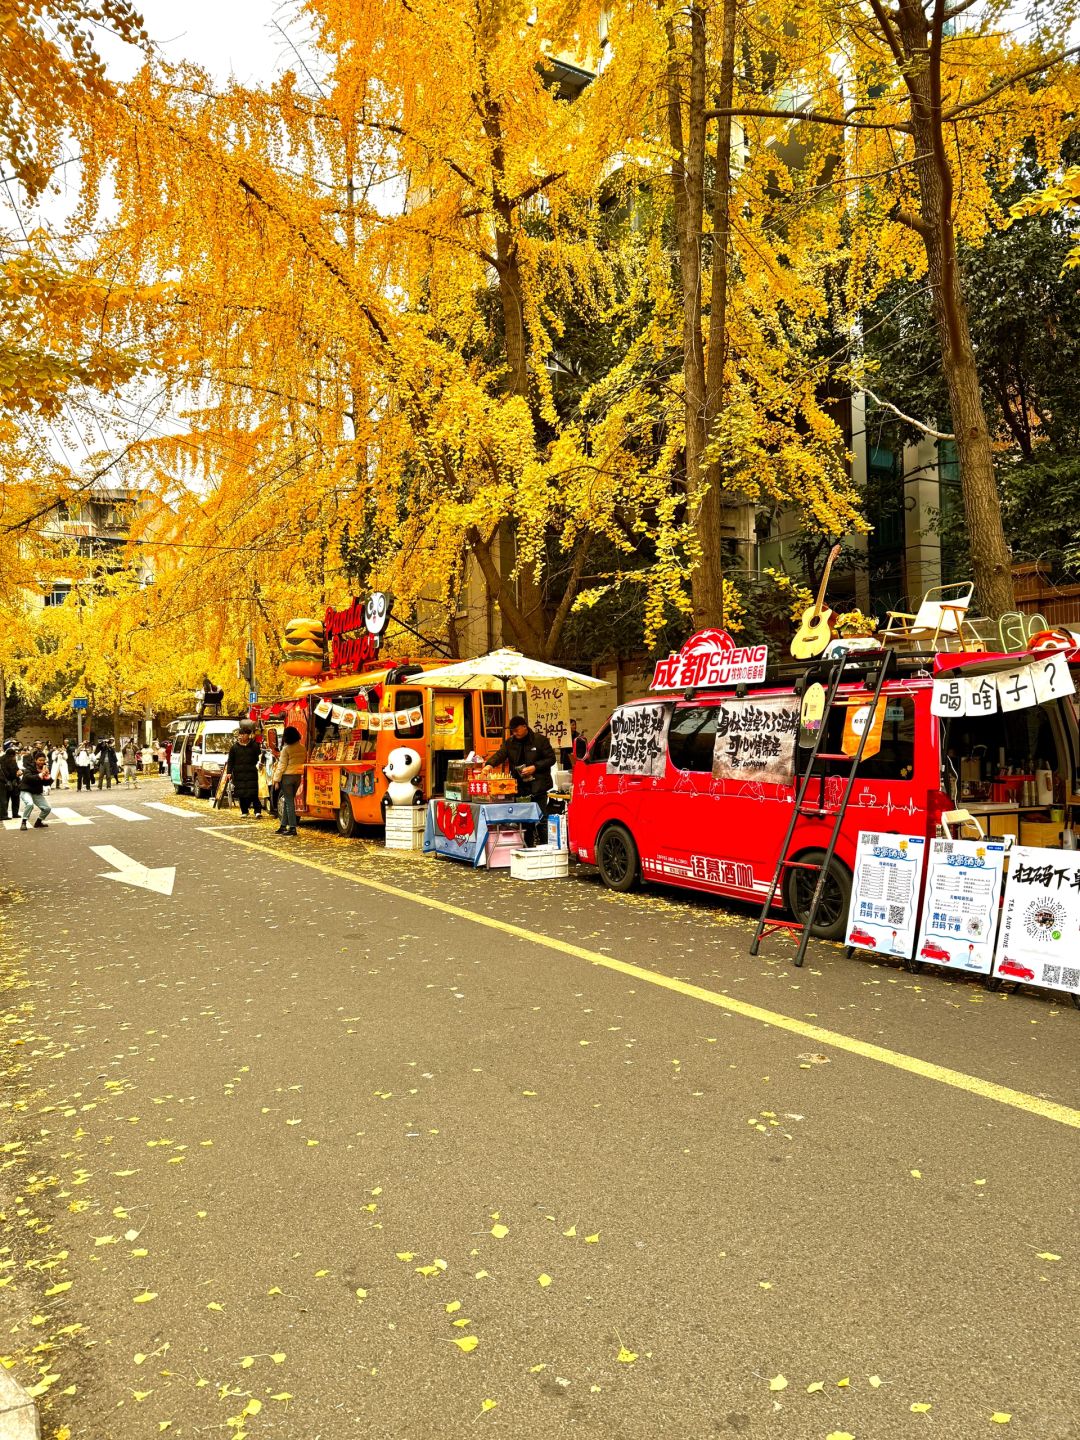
pixel 218 742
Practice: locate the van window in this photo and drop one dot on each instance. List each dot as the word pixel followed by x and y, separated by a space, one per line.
pixel 691 738
pixel 494 714
pixel 217 742
pixel 410 700
pixel 600 748
pixel 896 758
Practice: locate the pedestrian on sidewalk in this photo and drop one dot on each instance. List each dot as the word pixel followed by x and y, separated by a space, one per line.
pixel 9 781
pixel 242 765
pixel 130 756
pixel 84 768
pixel 288 773
pixel 32 792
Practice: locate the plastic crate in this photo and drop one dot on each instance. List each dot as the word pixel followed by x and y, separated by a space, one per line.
pixel 542 863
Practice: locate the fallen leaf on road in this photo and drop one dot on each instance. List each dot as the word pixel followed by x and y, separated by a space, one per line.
pixel 1001 1417
pixel 875 1381
pixel 778 1382
pixel 466 1343
pixel 453 1306
pixel 284 1395
pixel 218 1309
pixel 405 1255
pixel 148 1295
pixel 915 1174
pixel 278 1357
pixel 247 1362
pixel 843 1384
pixel 625 1356
pixel 1043 1255
pixel 592 1239
pixel 486 1405
pixel 815 1387
pixel 840 1435
pixel 569 1234
pixel 59 1288
pixel 500 1231
pixel 543 1281
pixel 919 1408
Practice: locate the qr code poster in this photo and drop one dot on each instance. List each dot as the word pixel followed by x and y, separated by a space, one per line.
pixel 884 910
pixel 1039 942
pixel 960 904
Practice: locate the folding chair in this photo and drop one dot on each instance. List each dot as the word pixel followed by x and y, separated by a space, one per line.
pixel 939 620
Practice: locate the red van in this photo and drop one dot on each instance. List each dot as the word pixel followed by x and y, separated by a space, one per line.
pixel 683 826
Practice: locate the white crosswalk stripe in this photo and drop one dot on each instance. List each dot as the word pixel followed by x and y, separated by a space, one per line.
pixel 122 814
pixel 67 816
pixel 170 809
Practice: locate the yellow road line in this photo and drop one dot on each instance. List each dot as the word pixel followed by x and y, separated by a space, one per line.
pixel 924 1069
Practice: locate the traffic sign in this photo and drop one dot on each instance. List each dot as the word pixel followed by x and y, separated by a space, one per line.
pixel 253 697
pixel 80 703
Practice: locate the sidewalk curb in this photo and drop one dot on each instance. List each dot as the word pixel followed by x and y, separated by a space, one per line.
pixel 18 1413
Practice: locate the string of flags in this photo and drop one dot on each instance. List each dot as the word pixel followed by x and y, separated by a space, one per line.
pixel 370 720
pixel 1005 690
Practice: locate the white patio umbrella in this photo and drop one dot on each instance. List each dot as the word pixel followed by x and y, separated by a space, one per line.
pixel 500 669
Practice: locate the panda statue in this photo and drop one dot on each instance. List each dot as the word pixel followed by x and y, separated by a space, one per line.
pixel 402 770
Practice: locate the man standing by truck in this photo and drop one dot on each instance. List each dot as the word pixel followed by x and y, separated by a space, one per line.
pixel 531 762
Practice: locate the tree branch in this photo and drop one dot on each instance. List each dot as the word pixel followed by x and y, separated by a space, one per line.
pixel 813 117
pixel 1039 69
pixel 907 419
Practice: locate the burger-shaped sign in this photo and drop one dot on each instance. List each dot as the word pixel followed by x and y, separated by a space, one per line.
pixel 304 647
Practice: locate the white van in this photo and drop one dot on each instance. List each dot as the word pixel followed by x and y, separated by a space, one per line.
pixel 199 751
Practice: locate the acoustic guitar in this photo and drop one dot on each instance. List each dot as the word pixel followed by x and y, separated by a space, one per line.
pixel 816 628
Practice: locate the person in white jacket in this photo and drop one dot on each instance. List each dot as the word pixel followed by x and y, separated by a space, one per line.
pixel 84 767
pixel 58 766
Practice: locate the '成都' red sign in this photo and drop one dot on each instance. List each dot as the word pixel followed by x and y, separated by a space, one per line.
pixel 708 659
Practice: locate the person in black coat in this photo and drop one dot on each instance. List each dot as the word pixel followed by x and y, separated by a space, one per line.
pixel 531 762
pixel 243 767
pixel 9 781
pixel 32 782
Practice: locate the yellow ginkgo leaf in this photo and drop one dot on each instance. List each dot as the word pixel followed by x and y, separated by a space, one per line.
pixel 141 1394
pixel 253 1406
pixel 1043 1255
pixel 535 1369
pixel 218 1309
pixel 361 1294
pixel 486 1405
pixel 844 1383
pixel 284 1395
pixel 465 1343
pixel 145 1297
pixel 569 1234
pixel 59 1288
pixel 916 1174
pixel 815 1387
pixel 625 1356
pixel 919 1408
pixel 247 1362
pixel 1001 1417
pixel 406 1255
pixel 543 1281
pixel 453 1306
pixel 278 1356
pixel 500 1231
pixel 840 1435
pixel 592 1239
pixel 482 1275
pixel 138 1359
pixel 875 1381
pixel 164 1425
pixel 778 1382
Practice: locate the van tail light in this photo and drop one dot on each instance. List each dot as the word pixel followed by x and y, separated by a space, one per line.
pixel 937 804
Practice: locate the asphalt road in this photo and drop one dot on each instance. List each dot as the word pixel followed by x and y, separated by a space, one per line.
pixel 372 1145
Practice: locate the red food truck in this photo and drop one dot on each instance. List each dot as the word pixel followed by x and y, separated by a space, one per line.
pixel 695 789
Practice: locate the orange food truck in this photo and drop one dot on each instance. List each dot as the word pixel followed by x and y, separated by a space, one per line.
pixel 354 709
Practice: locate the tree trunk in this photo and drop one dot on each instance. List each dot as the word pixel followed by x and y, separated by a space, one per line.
pixel 990 559
pixel 3 701
pixel 688 195
pixel 711 512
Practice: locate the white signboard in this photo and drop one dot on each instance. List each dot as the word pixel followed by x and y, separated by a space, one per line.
pixel 960 904
pixel 549 710
pixel 1040 930
pixel 884 910
pixel 639 740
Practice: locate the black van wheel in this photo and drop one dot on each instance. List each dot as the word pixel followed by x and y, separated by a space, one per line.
pixel 617 858
pixel 831 923
pixel 346 820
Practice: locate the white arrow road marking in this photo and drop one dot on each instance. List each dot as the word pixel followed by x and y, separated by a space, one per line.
pixel 122 814
pixel 130 872
pixel 170 809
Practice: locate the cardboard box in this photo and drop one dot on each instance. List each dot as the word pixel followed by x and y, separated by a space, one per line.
pixel 1002 825
pixel 1045 833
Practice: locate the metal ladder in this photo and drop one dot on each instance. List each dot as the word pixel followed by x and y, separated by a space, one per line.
pixel 876 669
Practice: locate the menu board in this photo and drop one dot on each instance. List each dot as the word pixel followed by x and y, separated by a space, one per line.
pixel 1040 930
pixel 885 893
pixel 323 787
pixel 639 740
pixel 960 904
pixel 755 739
